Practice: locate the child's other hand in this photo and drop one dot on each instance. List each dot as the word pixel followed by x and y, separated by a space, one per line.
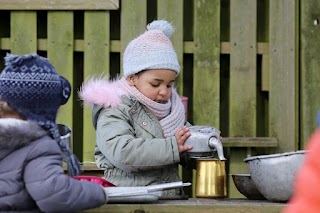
pixel 182 135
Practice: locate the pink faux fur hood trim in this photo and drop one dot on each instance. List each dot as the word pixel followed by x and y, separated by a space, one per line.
pixel 102 92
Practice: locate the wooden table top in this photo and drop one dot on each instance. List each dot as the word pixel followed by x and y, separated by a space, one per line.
pixel 196 205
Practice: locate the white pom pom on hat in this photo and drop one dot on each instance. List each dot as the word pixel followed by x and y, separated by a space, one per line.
pixel 151 50
pixel 162 25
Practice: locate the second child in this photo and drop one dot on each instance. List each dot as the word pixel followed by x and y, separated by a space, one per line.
pixel 139 118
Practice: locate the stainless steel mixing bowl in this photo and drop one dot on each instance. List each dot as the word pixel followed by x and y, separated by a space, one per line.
pixel 274 174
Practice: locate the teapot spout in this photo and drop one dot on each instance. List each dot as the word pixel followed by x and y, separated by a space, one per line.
pixel 216 143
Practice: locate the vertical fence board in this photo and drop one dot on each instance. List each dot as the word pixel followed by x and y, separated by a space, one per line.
pixel 133 21
pixel 23 29
pixel 172 11
pixel 96 62
pixel 60 53
pixel 206 68
pixel 206 82
pixel 243 80
pixel 282 92
pixel 309 69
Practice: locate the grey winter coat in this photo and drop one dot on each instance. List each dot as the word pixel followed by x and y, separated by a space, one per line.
pixel 31 174
pixel 130 145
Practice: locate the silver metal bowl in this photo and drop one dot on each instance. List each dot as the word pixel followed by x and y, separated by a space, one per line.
pixel 274 174
pixel 247 187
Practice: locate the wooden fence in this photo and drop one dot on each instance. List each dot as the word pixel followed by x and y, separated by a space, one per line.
pixel 249 67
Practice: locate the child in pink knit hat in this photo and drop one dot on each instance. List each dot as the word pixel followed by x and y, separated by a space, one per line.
pixel 140 119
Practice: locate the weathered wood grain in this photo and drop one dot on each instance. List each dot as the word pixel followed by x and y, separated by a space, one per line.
pixel 310 68
pixel 206 63
pixel 59 5
pixel 243 81
pixel 283 88
pixel 23 30
pixel 96 64
pixel 60 53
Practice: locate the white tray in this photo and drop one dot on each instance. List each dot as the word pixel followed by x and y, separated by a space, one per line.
pixel 132 195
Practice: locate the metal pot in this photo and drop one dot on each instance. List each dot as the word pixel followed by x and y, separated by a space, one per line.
pixel 205 141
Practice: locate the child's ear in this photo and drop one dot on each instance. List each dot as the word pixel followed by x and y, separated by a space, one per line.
pixel 132 80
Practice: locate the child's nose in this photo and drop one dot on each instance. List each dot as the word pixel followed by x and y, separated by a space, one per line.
pixel 163 91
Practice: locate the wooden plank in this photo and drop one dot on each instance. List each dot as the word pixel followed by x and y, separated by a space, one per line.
pixel 198 205
pixel 60 54
pixel 172 11
pixel 206 76
pixel 249 142
pixel 96 63
pixel 115 47
pixel 88 168
pixel 206 66
pixel 59 5
pixel 283 122
pixel 5 43
pixel 133 21
pixel 243 68
pixel 262 48
pixel 243 100
pixel 309 69
pixel 23 30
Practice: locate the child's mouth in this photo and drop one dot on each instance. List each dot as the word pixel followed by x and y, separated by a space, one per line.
pixel 161 102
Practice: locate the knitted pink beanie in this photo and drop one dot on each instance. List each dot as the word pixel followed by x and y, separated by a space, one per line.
pixel 151 50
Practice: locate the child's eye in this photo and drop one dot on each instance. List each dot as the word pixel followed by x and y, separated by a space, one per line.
pixel 170 85
pixel 155 85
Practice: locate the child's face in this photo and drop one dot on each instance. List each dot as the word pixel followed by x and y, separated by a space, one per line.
pixel 154 84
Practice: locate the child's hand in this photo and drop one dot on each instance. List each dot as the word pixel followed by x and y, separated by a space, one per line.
pixel 182 135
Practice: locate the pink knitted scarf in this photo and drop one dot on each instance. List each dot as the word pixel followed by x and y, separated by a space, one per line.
pixel 171 115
